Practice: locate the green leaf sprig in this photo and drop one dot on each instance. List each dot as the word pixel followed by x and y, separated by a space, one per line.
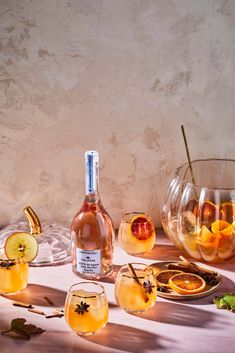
pixel 227 301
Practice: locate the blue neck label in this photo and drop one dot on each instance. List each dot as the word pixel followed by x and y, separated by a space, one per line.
pixel 91 158
pixel 90 171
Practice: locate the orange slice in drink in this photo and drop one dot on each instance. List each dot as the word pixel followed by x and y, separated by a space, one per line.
pixel 223 230
pixel 222 227
pixel 187 283
pixel 209 213
pixel 229 230
pixel 188 222
pixel 208 243
pixel 192 206
pixel 164 276
pixel 206 237
pixel 141 227
pixel 227 211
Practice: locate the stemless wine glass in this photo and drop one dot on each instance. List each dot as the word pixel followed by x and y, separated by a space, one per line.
pixel 13 276
pixel 86 308
pixel 136 233
pixel 135 288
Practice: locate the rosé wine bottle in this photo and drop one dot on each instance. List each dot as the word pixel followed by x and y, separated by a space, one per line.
pixel 92 231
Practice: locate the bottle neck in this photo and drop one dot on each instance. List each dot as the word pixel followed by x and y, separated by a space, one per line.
pixel 92 176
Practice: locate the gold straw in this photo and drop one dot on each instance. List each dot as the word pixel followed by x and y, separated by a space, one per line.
pixel 188 155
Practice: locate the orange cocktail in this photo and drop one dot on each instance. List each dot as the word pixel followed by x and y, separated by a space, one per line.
pixel 135 291
pixel 86 308
pixel 13 276
pixel 136 233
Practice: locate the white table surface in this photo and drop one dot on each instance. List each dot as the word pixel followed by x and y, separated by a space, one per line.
pixel 170 327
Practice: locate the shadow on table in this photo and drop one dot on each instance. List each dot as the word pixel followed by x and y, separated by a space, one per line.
pixel 111 278
pixel 112 337
pixel 226 286
pixel 227 265
pixel 179 314
pixel 163 252
pixel 35 293
pixel 52 342
pixel 128 339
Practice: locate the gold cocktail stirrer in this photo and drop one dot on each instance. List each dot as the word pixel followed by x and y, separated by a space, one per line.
pixel 188 157
pixel 135 277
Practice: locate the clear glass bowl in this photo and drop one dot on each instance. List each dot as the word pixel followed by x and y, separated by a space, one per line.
pixel 200 218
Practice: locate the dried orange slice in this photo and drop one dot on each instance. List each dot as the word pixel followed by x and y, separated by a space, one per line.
pixel 21 245
pixel 187 283
pixel 141 227
pixel 164 276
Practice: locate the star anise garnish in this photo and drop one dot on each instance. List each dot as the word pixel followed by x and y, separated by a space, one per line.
pixel 148 287
pixel 6 264
pixel 82 308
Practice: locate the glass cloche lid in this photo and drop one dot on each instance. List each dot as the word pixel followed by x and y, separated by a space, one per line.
pixel 53 239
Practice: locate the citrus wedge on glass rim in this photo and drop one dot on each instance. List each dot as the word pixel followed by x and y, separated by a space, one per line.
pixel 141 227
pixel 187 283
pixel 21 245
pixel 163 277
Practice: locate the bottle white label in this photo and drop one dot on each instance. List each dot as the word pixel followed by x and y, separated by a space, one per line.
pixel 88 261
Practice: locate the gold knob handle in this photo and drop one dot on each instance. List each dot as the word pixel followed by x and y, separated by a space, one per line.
pixel 34 222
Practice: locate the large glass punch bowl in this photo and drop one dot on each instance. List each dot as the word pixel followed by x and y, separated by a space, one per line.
pixel 199 218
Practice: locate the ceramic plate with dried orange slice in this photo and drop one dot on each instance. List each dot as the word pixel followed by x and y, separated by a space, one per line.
pixel 162 267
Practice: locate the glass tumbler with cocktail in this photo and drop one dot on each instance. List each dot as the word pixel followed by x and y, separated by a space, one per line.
pixel 135 288
pixel 136 233
pixel 86 308
pixel 20 248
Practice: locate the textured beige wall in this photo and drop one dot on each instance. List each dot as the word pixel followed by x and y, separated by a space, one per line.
pixel 119 76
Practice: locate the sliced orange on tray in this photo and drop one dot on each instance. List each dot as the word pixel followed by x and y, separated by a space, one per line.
pixel 187 283
pixel 141 227
pixel 163 277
